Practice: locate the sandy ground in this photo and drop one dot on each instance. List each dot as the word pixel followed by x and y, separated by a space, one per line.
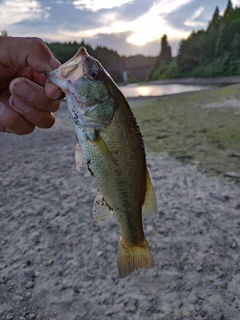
pixel 57 263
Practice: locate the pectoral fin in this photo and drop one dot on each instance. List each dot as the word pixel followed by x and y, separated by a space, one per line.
pixel 101 209
pixel 150 202
pixel 102 146
pixel 79 157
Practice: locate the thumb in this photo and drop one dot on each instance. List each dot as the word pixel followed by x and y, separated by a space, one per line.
pixel 27 52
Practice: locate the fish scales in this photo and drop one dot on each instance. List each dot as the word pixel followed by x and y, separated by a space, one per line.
pixel 112 145
pixel 119 184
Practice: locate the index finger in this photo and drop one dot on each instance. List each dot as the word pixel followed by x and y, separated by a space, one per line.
pixel 27 52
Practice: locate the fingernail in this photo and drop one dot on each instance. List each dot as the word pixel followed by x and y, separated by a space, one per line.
pixel 19 105
pixel 23 90
pixel 54 63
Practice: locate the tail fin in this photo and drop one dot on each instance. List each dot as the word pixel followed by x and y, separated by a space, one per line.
pixel 131 257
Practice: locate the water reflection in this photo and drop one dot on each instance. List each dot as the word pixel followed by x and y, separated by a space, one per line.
pixel 135 90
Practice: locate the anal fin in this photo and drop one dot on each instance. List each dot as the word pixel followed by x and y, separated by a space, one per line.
pixel 101 209
pixel 150 202
pixel 133 257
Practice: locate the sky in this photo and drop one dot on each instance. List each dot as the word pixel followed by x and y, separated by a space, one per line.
pixel 127 26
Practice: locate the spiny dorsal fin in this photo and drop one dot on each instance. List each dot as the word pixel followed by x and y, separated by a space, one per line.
pixel 150 202
pixel 101 210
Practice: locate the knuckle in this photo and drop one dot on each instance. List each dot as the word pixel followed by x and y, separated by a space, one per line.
pixel 36 42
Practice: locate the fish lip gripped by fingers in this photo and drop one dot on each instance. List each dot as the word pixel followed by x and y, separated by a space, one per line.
pixel 66 74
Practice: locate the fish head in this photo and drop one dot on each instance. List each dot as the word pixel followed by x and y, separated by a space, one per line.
pixel 86 86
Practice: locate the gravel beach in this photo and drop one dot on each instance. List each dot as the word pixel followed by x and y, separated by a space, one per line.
pixel 57 263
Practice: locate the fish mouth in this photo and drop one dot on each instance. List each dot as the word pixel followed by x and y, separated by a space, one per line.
pixel 69 72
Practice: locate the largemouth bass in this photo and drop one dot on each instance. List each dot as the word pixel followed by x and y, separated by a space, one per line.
pixel 112 145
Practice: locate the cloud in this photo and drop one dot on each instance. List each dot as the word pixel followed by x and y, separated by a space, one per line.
pixel 196 14
pixel 12 12
pixel 195 19
pixel 236 2
pixel 125 25
pixel 98 5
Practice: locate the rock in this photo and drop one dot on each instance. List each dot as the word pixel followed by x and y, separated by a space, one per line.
pixel 37 274
pixel 199 267
pixel 99 254
pixel 29 285
pixel 230 297
pixel 17 298
pixel 50 262
pixel 232 174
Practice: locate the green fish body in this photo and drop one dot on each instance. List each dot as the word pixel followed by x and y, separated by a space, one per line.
pixel 111 144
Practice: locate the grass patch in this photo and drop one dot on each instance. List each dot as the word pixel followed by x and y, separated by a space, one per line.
pixel 201 127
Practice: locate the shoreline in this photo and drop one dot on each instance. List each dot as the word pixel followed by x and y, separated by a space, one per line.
pixel 191 81
pixel 209 84
pixel 200 81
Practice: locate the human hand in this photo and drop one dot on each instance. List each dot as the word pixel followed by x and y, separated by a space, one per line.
pixel 26 98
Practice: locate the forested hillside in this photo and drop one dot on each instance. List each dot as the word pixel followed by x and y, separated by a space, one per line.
pixel 110 59
pixel 213 52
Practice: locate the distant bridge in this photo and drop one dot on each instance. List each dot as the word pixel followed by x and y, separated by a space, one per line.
pixel 124 70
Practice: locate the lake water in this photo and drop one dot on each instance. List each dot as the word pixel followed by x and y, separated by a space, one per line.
pixel 136 90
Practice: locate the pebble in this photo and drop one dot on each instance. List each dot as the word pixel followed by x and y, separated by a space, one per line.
pixel 230 297
pixel 29 285
pixel 50 262
pixel 37 274
pixel 17 298
pixel 199 267
pixel 232 174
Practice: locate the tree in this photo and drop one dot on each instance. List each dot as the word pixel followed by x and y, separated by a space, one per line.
pixel 229 9
pixel 165 56
pixel 234 59
pixel 4 33
pixel 215 22
pixel 208 49
pixel 190 52
pixel 162 60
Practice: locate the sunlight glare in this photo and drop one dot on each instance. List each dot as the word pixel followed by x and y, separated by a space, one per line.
pixel 148 27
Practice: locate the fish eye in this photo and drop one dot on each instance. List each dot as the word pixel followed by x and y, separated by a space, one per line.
pixel 93 74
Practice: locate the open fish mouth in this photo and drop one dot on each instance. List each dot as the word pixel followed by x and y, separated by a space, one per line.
pixel 69 72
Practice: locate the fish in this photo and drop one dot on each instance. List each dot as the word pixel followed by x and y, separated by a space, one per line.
pixel 110 143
